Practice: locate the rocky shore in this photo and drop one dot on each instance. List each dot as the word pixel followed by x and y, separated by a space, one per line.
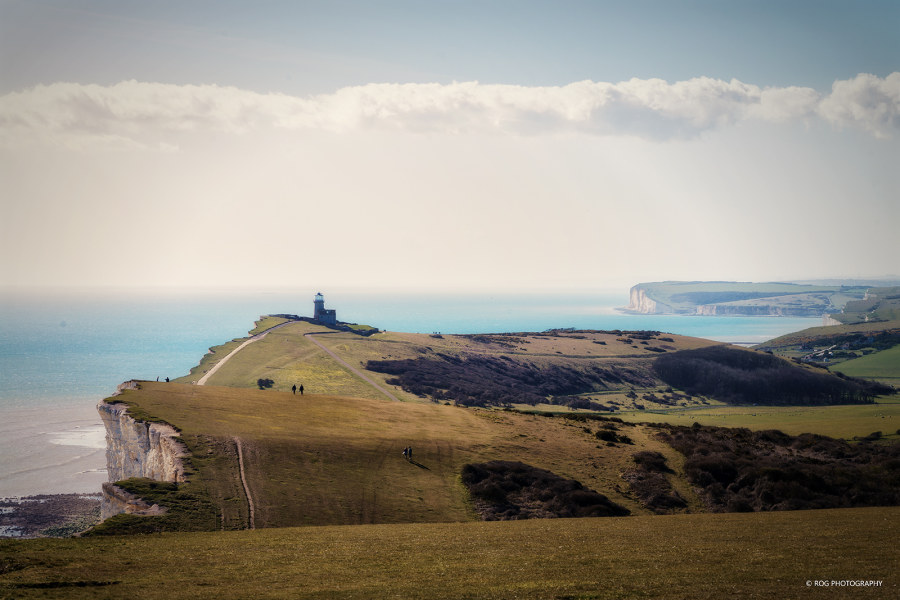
pixel 48 515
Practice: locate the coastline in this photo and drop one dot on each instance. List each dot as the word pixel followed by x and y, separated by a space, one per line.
pixel 62 355
pixel 48 515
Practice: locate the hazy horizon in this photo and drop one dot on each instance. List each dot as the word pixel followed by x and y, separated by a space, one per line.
pixel 461 146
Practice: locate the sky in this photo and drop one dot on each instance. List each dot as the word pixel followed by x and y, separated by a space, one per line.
pixel 447 145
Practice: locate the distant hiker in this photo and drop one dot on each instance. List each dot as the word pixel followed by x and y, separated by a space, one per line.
pixel 301 389
pixel 294 389
pixel 409 453
pixel 167 380
pixel 157 377
pixel 404 453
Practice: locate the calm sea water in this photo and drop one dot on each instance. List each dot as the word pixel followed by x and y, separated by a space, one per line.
pixel 61 353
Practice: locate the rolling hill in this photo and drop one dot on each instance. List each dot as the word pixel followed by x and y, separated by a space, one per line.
pixel 336 509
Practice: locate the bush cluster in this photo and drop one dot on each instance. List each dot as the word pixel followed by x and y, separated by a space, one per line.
pixel 739 470
pixel 475 380
pixel 611 436
pixel 507 490
pixel 738 376
pixel 649 483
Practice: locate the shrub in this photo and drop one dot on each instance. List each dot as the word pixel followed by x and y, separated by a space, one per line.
pixel 506 490
pixel 738 376
pixel 770 470
pixel 650 485
pixel 478 380
pixel 652 461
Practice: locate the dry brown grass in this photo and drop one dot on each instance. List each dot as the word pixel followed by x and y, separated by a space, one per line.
pixel 321 459
pixel 288 358
pixel 709 556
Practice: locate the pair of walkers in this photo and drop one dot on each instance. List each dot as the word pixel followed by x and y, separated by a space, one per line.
pixel 407 453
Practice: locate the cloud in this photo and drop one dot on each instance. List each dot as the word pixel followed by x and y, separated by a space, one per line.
pixel 867 102
pixel 147 114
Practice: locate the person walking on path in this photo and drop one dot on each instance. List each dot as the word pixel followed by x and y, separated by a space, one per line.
pixel 301 389
pixel 294 389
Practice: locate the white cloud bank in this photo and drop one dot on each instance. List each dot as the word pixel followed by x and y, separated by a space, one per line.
pixel 145 114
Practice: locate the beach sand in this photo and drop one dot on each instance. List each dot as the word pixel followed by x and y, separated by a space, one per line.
pixel 52 450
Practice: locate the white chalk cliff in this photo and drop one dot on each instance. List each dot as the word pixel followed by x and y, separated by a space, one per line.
pixel 136 449
pixel 640 302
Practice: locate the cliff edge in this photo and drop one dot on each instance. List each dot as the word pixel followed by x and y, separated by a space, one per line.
pixel 136 449
pixel 640 302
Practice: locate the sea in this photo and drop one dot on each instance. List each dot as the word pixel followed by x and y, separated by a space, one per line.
pixel 61 352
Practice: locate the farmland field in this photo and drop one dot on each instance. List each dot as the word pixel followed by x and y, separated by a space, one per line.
pixel 883 366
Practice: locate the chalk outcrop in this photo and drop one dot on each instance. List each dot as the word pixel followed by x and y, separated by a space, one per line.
pixel 640 302
pixel 136 449
pixel 116 500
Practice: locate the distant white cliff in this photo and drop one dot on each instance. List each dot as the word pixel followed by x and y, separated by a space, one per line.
pixel 136 449
pixel 640 302
pixel 731 298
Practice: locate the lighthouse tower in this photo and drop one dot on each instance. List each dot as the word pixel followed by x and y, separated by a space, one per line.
pixel 321 314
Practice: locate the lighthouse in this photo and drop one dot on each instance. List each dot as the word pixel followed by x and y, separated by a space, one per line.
pixel 321 314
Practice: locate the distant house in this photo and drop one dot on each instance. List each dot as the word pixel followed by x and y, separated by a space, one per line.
pixel 321 314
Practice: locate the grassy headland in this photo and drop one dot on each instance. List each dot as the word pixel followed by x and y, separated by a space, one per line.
pixel 319 459
pixel 376 525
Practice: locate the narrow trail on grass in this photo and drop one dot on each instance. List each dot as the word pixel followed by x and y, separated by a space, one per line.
pixel 255 338
pixel 240 453
pixel 353 370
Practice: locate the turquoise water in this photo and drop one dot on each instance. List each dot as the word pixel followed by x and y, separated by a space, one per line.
pixel 61 353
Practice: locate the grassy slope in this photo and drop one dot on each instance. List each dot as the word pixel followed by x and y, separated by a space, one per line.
pixel 217 353
pixel 807 335
pixel 288 358
pixel 335 460
pixel 883 365
pixel 316 459
pixel 330 459
pixel 569 348
pixel 677 557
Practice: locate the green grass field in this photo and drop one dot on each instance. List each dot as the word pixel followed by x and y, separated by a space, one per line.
pixel 757 555
pixel 883 366
pixel 842 421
